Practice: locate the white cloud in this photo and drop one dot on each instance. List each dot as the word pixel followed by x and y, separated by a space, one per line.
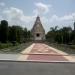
pixel 2 4
pixel 16 15
pixel 1 17
pixel 66 20
pixel 70 17
pixel 67 17
pixel 41 8
pixel 54 18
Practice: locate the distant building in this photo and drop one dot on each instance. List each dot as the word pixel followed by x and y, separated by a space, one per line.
pixel 38 32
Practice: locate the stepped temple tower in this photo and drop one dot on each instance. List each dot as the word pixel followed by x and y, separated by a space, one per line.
pixel 38 32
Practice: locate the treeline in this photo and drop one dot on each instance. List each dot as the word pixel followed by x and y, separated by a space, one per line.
pixel 65 35
pixel 13 33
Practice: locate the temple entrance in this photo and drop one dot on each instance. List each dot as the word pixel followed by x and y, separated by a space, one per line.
pixel 38 36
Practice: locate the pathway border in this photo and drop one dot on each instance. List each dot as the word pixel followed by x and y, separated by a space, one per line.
pixel 25 51
pixel 66 55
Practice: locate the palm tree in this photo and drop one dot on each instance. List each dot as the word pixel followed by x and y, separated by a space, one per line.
pixel 52 34
pixel 54 29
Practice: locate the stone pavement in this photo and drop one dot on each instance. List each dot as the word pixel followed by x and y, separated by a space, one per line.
pixel 45 53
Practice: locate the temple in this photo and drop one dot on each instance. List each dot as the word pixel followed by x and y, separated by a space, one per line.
pixel 38 32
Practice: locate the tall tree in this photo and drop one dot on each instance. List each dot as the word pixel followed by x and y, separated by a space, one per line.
pixel 4 31
pixel 66 32
pixel 19 34
pixel 74 33
pixel 25 34
pixel 0 32
pixel 15 34
pixel 29 35
pixel 50 36
pixel 12 33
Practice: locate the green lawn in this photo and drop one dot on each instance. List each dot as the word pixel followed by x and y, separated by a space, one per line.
pixel 9 48
pixel 70 49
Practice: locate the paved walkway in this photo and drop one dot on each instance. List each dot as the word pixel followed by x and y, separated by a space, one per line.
pixel 43 52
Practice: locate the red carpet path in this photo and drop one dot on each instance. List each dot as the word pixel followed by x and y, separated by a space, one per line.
pixel 42 52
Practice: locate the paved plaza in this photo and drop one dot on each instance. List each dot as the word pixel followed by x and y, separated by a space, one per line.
pixel 45 53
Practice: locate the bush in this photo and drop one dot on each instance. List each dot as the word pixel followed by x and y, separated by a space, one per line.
pixel 5 45
pixel 72 46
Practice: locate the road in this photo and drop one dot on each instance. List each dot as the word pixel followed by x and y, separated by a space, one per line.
pixel 36 68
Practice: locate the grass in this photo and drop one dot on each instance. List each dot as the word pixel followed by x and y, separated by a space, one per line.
pixel 14 49
pixel 5 45
pixel 70 49
pixel 72 46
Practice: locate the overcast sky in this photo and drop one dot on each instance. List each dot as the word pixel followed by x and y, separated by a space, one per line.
pixel 51 12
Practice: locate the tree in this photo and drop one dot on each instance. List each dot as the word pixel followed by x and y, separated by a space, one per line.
pixel 4 31
pixel 49 36
pixel 12 33
pixel 62 35
pixel 29 35
pixel 0 32
pixel 19 31
pixel 54 29
pixel 52 34
pixel 74 34
pixel 66 32
pixel 73 37
pixel 25 34
pixel 15 34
